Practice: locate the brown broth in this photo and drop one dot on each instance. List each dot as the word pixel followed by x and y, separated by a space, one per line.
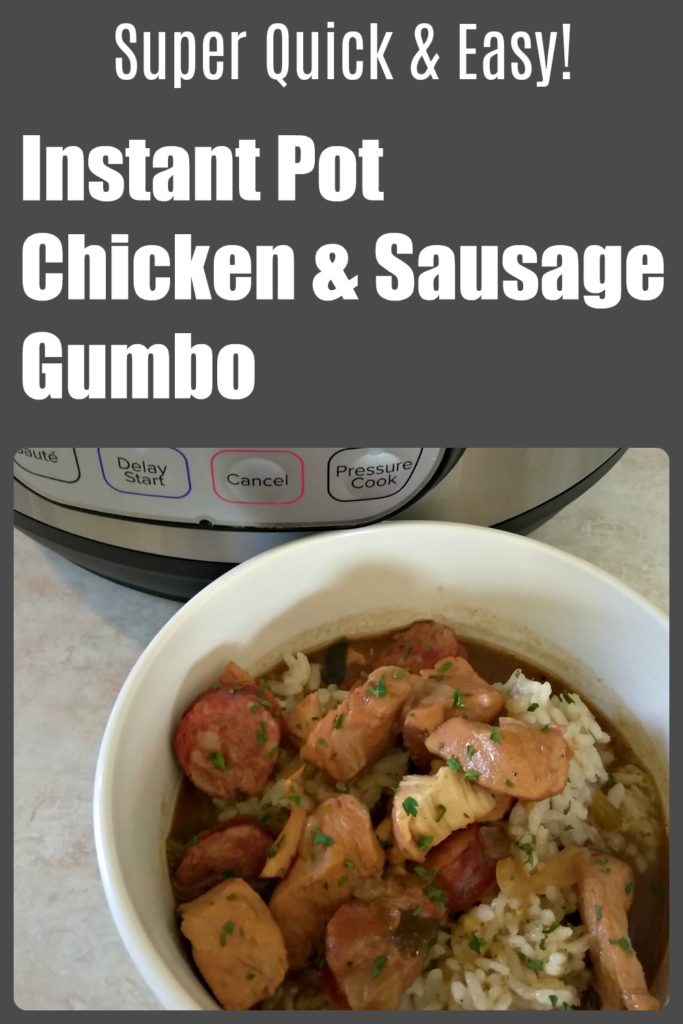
pixel 648 917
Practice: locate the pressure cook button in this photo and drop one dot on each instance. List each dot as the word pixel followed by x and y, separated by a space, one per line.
pixel 53 463
pixel 366 474
pixel 150 472
pixel 257 477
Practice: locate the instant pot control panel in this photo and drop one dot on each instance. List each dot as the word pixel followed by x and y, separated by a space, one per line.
pixel 287 488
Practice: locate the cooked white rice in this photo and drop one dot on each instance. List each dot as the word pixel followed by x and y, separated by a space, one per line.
pixel 509 955
pixel 503 954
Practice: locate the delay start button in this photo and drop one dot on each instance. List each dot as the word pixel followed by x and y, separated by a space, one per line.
pixel 149 472
pixel 254 476
pixel 368 474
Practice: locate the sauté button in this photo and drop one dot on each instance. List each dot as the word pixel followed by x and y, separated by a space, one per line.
pixel 257 477
pixel 151 472
pixel 369 474
pixel 52 463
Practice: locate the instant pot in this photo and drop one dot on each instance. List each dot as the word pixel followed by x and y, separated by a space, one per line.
pixel 169 520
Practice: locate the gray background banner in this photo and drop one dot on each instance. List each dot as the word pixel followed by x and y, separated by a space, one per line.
pixel 593 160
pixel 590 160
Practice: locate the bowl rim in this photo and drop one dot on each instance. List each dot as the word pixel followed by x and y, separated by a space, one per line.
pixel 148 962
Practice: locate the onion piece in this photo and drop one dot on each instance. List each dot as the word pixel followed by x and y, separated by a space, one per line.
pixel 562 871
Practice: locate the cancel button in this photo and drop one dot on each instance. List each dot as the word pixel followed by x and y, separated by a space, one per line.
pixel 257 478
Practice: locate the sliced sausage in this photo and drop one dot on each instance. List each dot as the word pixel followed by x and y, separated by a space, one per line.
pixel 337 847
pixel 452 689
pixel 419 647
pixel 236 944
pixel 605 887
pixel 512 758
pixel 465 871
pixel 359 730
pixel 231 849
pixel 227 741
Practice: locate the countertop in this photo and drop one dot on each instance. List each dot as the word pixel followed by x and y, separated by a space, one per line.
pixel 76 638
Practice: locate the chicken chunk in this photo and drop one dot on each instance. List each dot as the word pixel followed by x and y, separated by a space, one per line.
pixel 338 846
pixel 359 730
pixel 427 808
pixel 376 950
pixel 512 758
pixel 451 689
pixel 605 889
pixel 236 944
pixel 420 646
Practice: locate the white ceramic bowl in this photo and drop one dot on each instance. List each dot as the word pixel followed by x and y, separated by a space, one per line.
pixel 529 598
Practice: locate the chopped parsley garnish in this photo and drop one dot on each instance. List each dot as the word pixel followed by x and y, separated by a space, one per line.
pixel 437 896
pixel 553 1000
pixel 296 798
pixel 229 873
pixel 470 751
pixel 551 928
pixel 343 880
pixel 533 965
pixel 227 929
pixel 424 842
pixel 272 852
pixel 438 677
pixel 509 783
pixel 628 888
pixel 379 965
pixel 261 735
pixel 321 839
pixel 216 686
pixel 380 689
pixel 624 944
pixel 472 776
pixel 598 912
pixel 611 781
pixel 528 849
pixel 350 864
pixel 544 728
pixel 253 708
pixel 458 701
pixel 218 760
pixel 445 665
pixel 323 743
pixel 534 707
pixel 428 874
pixel 325 885
pixel 339 721
pixel 567 697
pixel 232 897
pixel 193 841
pixel 496 735
pixel 272 753
pixel 453 763
pixel 440 811
pixel 476 944
pixel 410 806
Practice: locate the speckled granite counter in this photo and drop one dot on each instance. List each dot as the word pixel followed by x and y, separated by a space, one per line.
pixel 76 637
